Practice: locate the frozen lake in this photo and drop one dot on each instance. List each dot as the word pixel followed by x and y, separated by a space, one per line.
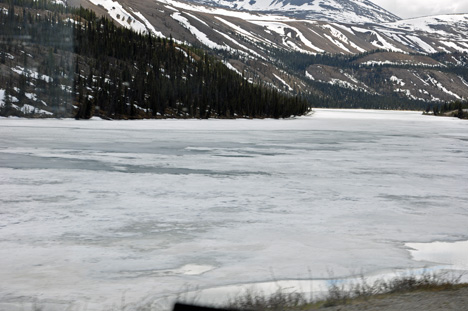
pixel 98 214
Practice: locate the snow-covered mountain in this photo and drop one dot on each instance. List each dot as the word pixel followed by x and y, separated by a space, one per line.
pixel 246 32
pixel 390 57
pixel 449 27
pixel 249 33
pixel 350 11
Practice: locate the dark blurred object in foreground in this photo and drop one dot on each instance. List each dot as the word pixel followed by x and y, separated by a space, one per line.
pixel 185 307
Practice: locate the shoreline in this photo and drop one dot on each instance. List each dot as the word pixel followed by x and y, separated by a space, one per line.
pixel 316 288
pixel 422 300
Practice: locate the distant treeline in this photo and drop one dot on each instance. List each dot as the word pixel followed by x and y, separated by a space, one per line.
pixel 456 109
pixel 98 68
pixel 334 96
pixel 299 61
pixel 339 97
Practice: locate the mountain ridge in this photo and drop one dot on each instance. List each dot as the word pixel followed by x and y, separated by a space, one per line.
pixel 250 35
pixel 355 11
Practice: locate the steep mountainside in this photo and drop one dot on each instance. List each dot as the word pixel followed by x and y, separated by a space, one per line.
pixel 388 63
pixel 352 11
pixel 252 33
pixel 258 44
pixel 67 62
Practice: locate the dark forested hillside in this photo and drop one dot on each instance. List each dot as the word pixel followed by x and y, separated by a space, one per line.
pixel 379 79
pixel 66 62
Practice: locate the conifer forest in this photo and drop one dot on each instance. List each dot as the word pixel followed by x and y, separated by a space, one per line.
pixel 85 65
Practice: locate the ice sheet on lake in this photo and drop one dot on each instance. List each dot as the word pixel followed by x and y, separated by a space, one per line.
pixel 93 211
pixel 453 254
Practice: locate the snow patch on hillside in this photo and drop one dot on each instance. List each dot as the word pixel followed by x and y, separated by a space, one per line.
pixel 337 43
pixel 423 45
pixel 231 67
pixel 463 81
pixel 31 96
pixel 242 32
pixel 397 80
pixel 32 74
pixel 148 25
pixel 27 109
pixel 197 19
pixel 406 92
pixel 284 29
pixel 283 82
pixel 201 36
pixel 421 79
pixel 454 46
pixel 381 43
pixel 344 27
pixel 346 85
pixel 309 76
pixel 442 88
pixel 241 46
pixel 120 15
pixel 351 77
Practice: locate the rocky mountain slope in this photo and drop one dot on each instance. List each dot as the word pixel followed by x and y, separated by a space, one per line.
pixel 248 42
pixel 249 32
pixel 349 54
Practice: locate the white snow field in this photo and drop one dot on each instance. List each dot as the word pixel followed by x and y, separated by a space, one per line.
pixel 108 215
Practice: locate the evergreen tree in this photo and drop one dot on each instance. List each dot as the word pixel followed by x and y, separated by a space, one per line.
pixel 460 112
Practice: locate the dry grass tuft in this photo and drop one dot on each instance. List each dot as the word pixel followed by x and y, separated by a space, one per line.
pixel 341 293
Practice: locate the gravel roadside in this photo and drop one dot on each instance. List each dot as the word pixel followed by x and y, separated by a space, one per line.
pixel 450 300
